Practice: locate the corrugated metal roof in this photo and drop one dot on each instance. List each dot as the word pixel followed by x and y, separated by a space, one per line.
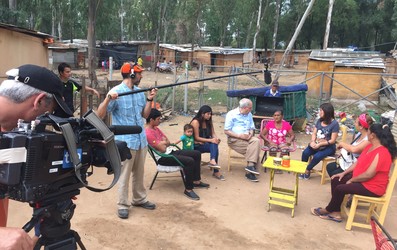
pixel 175 47
pixel 25 31
pixel 361 63
pixel 350 58
pixel 334 54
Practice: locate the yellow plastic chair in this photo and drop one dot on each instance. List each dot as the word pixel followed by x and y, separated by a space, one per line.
pixel 373 206
pixel 323 172
pixel 233 157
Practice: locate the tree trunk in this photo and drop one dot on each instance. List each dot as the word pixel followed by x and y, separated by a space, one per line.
pixel 122 13
pixel 246 45
pixel 158 31
pixel 328 24
pixel 92 7
pixel 293 39
pixel 258 28
pixel 12 5
pixel 277 17
pixel 53 20
pixel 60 22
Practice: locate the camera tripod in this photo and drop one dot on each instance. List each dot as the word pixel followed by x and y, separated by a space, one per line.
pixel 54 220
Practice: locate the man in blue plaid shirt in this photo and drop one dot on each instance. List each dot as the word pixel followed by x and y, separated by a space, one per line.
pixel 130 110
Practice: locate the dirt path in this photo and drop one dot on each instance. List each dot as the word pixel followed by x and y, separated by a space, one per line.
pixel 230 215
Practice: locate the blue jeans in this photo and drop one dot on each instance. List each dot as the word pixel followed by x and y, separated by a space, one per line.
pixel 211 148
pixel 318 155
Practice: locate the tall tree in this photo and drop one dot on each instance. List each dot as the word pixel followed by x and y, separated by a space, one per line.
pixel 92 8
pixel 296 33
pixel 275 30
pixel 258 28
pixel 328 24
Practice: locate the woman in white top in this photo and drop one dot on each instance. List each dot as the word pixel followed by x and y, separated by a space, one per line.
pixel 350 152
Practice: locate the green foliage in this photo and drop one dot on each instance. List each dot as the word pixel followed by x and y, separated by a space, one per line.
pixel 363 23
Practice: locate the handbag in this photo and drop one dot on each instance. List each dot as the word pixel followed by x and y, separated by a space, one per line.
pixel 345 159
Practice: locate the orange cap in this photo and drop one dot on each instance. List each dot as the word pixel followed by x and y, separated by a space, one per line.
pixel 126 68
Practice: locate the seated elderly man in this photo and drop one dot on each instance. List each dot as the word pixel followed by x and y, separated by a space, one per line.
pixel 239 128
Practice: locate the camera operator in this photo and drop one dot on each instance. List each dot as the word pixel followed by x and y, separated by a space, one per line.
pixel 129 110
pixel 28 92
pixel 14 239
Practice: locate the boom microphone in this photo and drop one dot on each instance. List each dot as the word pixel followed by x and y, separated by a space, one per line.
pixel 125 130
pixel 117 130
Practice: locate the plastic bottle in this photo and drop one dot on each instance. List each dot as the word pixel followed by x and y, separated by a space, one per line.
pixel 286 161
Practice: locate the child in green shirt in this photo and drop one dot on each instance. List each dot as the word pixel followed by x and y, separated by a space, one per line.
pixel 187 138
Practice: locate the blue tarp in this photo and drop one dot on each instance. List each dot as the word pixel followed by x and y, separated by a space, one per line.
pixel 261 91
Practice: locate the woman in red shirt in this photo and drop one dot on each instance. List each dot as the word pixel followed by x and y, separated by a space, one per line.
pixel 369 176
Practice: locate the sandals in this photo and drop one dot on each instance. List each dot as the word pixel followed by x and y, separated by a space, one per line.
pixel 214 166
pixel 316 211
pixel 330 217
pixel 220 177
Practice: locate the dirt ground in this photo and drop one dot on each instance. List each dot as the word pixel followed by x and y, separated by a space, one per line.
pixel 231 214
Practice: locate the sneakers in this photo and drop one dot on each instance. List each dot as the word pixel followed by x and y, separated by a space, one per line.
pixel 304 176
pixel 251 169
pixel 192 195
pixel 122 213
pixel 251 177
pixel 201 185
pixel 147 205
pixel 219 177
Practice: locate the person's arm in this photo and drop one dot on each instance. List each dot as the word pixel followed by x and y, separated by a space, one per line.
pixel 181 139
pixel 214 136
pixel 245 137
pixel 368 174
pixel 149 99
pixel 355 149
pixel 349 170
pixel 160 145
pixel 102 108
pixel 15 239
pixel 331 141
pixel 313 139
pixel 92 90
pixel 291 136
pixel 263 135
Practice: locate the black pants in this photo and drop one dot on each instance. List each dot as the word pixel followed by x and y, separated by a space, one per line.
pixel 339 189
pixel 333 169
pixel 191 159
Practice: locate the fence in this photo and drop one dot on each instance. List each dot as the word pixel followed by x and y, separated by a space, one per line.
pixel 188 98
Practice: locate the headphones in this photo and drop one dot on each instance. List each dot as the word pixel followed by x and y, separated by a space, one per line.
pixel 132 73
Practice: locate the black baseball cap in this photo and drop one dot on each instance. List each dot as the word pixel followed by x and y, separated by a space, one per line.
pixel 43 79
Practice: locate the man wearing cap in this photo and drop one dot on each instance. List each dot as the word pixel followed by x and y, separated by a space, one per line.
pixel 273 91
pixel 71 86
pixel 28 92
pixel 130 110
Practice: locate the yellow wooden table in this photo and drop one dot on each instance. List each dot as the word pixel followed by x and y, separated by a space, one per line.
pixel 282 196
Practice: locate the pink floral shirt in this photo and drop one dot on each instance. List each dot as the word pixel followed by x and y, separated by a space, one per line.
pixel 275 135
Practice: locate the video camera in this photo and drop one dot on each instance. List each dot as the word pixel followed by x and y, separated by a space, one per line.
pixel 39 164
